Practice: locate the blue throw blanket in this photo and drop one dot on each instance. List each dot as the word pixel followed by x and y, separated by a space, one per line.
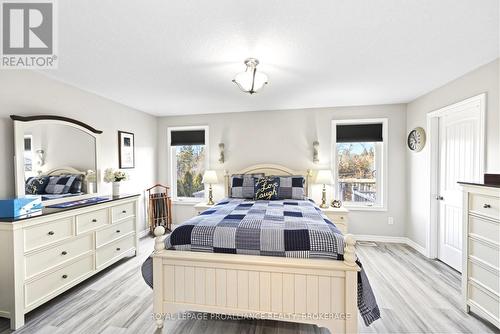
pixel 286 228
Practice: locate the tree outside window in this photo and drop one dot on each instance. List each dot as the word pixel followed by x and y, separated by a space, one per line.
pixel 190 168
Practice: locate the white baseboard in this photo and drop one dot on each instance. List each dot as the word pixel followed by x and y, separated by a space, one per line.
pixel 389 239
pixel 142 234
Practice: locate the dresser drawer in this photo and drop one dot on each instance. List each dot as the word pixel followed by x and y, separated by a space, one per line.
pixel 59 279
pixel 47 233
pixel 123 211
pixel 115 231
pixel 485 205
pixel 115 249
pixel 43 260
pixel 488 277
pixel 485 299
pixel 484 252
pixel 92 220
pixel 485 228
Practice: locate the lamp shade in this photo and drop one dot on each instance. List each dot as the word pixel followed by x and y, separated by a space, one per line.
pixel 210 177
pixel 324 176
pixel 250 81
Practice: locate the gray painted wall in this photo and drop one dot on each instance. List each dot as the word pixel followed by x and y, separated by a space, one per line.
pixel 285 137
pixel 482 80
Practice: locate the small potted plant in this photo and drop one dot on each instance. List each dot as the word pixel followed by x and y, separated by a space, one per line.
pixel 115 176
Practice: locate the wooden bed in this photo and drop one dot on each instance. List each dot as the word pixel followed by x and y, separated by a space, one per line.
pixel 313 291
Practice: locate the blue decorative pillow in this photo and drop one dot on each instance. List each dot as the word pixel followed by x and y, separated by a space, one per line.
pixel 36 185
pixel 291 187
pixel 242 185
pixel 60 184
pixel 267 188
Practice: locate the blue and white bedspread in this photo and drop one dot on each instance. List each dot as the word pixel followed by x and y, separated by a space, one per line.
pixel 286 228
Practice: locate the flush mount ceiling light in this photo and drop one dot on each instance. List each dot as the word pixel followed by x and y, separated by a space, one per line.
pixel 250 81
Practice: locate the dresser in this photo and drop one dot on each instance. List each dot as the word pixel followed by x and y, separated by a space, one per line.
pixel 339 216
pixel 481 251
pixel 46 254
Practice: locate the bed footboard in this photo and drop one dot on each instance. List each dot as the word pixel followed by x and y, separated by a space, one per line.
pixel 314 291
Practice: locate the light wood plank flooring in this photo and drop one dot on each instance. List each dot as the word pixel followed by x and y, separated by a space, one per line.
pixel 415 296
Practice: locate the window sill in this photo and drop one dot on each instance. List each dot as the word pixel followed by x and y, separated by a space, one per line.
pixel 365 208
pixel 187 202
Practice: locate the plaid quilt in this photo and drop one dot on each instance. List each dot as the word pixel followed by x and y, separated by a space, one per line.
pixel 286 228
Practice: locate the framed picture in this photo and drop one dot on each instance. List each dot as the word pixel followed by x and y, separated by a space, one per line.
pixel 126 150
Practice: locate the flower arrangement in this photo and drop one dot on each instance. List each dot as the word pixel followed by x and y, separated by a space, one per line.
pixel 90 176
pixel 111 175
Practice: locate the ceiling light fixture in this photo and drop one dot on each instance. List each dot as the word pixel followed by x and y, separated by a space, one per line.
pixel 250 81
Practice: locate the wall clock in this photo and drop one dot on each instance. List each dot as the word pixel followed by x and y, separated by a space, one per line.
pixel 416 139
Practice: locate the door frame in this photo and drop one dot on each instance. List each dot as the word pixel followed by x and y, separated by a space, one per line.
pixel 433 139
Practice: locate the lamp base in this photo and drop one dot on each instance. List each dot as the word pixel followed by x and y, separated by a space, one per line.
pixel 323 204
pixel 210 196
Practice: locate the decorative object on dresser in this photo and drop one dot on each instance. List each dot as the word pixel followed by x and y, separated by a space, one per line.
pixel 316 152
pixel 159 207
pixel 221 153
pixel 416 139
pixel 481 251
pixel 43 256
pixel 210 177
pixel 336 203
pixel 126 150
pixel 115 177
pixel 324 177
pixel 338 216
pixel 73 148
pixel 493 179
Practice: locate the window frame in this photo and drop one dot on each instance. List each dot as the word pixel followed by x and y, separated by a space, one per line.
pixel 172 160
pixel 381 163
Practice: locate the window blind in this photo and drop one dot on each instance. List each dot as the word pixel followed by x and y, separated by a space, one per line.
pixel 27 143
pixel 356 133
pixel 187 137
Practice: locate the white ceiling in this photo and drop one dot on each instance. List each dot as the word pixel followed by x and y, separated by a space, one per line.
pixel 178 57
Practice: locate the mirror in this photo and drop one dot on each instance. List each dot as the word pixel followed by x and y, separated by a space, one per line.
pixel 56 158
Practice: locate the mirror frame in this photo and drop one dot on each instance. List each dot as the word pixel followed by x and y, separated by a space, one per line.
pixel 21 123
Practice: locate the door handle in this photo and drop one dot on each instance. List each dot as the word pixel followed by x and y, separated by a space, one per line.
pixel 439 198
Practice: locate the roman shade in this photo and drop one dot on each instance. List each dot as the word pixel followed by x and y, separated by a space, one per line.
pixel 187 137
pixel 356 133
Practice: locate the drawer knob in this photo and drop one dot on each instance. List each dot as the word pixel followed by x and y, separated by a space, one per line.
pixel 118 248
pixel 64 253
pixel 51 233
pixel 94 220
pixel 341 217
pixel 117 231
pixel 486 206
pixel 64 276
pixel 124 211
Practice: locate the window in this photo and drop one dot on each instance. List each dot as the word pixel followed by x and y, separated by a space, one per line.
pixel 188 157
pixel 28 156
pixel 359 158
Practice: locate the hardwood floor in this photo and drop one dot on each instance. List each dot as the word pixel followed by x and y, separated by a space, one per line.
pixel 415 296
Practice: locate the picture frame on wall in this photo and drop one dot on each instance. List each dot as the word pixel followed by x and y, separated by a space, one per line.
pixel 126 150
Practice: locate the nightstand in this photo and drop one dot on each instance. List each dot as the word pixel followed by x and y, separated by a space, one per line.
pixel 339 216
pixel 202 206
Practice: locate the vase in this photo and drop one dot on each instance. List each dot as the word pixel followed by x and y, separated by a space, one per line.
pixel 116 189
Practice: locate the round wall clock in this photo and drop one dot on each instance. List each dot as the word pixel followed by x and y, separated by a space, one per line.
pixel 416 139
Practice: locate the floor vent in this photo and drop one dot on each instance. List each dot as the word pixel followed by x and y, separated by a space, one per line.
pixel 366 243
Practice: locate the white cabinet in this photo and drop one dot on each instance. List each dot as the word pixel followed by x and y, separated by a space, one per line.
pixel 481 255
pixel 339 216
pixel 43 256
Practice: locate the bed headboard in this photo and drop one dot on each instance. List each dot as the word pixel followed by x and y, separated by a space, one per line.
pixel 267 169
pixel 63 171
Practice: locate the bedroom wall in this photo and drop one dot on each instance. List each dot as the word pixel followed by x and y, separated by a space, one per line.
pixel 285 137
pixel 485 79
pixel 32 93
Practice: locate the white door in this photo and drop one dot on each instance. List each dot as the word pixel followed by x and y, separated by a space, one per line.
pixel 459 160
